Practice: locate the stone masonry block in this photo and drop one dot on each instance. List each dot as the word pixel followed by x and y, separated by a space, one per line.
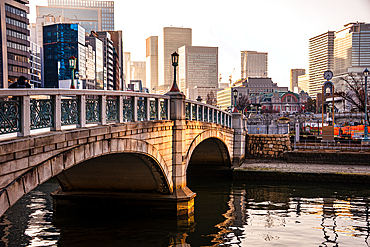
pixel 50 138
pixel 13 166
pixel 21 154
pixel 61 145
pixel 44 171
pixel 91 139
pixel 57 165
pixel 89 150
pixel 68 159
pixel 79 154
pixel 37 150
pixel 82 141
pixel 16 145
pixel 100 130
pixel 30 180
pixel 6 157
pixel 77 134
pixel 4 204
pixel 15 191
pixel 113 145
pixel 6 179
pixel 121 145
pixel 105 149
pixel 50 147
pixel 98 148
pixel 39 158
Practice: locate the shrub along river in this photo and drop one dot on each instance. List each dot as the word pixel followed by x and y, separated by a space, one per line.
pixel 227 213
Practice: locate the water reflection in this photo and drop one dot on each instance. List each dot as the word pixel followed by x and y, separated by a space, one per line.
pixel 227 213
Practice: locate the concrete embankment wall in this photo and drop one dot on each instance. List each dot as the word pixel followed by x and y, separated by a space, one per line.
pixel 267 146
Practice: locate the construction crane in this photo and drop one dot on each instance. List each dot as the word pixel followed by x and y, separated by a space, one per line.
pixel 231 77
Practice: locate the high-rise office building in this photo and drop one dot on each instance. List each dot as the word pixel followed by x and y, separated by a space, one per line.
pixel 294 73
pixel 14 41
pixel 198 67
pixel 352 49
pixel 303 81
pixel 126 68
pixel 98 47
pixel 106 7
pixel 108 59
pixel 90 19
pixel 36 62
pixel 138 72
pixel 320 59
pixel 152 63
pixel 173 39
pixel 254 64
pixel 89 81
pixel 61 41
pixel 116 37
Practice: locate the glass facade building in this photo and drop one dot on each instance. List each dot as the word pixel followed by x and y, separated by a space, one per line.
pixel 61 41
pixel 253 64
pixel 106 7
pixel 36 65
pixel 14 41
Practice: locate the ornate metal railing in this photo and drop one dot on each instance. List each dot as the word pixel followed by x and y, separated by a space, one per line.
pixel 197 111
pixel 23 110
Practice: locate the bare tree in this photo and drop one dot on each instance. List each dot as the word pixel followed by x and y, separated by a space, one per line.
pixel 242 102
pixel 355 93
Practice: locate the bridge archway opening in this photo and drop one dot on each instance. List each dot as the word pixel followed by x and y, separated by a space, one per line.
pixel 120 172
pixel 209 159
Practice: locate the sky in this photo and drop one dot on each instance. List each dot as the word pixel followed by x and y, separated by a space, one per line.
pixel 280 27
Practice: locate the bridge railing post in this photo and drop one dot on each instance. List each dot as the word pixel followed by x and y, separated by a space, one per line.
pixel 103 109
pixel 147 108
pixel 25 116
pixel 134 109
pixel 82 111
pixel 120 109
pixel 57 114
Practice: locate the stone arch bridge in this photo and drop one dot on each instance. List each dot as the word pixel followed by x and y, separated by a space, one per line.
pixel 111 145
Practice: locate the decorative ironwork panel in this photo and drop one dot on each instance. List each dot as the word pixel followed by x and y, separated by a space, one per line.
pixel 92 110
pixel 41 113
pixel 69 111
pixel 215 116
pixel 230 121
pixel 164 109
pixel 187 111
pixel 218 117
pixel 200 113
pixel 9 116
pixel 194 112
pixel 127 110
pixel 222 119
pixel 205 116
pixel 112 110
pixel 141 109
pixel 210 115
pixel 153 109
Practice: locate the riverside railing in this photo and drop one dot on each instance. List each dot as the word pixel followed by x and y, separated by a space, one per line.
pixel 23 110
pixel 198 111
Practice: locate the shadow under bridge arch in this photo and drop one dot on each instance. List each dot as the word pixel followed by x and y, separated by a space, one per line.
pixel 211 151
pixel 119 172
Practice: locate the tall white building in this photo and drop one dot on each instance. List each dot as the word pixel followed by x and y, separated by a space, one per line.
pixel 138 72
pixel 152 63
pixel 173 39
pixel 254 64
pixel 198 68
pixel 320 59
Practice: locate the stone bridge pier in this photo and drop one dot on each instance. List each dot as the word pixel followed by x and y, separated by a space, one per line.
pixel 133 158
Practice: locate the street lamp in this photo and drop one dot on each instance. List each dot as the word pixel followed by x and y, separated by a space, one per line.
pixel 235 94
pixel 366 138
pixel 175 63
pixel 72 66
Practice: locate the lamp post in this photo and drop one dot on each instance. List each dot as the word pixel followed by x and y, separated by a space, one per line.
pixel 235 94
pixel 175 63
pixel 72 66
pixel 366 138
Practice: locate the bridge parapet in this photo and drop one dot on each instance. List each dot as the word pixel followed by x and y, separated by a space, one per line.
pixel 25 110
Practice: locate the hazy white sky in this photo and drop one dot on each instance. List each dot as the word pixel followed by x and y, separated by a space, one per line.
pixel 280 27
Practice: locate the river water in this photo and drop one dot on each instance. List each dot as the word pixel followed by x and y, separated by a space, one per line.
pixel 227 213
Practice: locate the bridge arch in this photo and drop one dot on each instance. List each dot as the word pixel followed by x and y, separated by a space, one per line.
pixel 213 142
pixel 83 154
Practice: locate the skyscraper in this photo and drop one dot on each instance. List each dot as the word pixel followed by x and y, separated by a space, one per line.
pixel 294 73
pixel 98 47
pixel 61 41
pixel 116 37
pixel 254 64
pixel 108 59
pixel 352 49
pixel 152 63
pixel 320 59
pixel 14 41
pixel 198 67
pixel 173 38
pixel 107 10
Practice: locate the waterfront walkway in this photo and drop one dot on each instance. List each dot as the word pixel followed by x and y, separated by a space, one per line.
pixel 283 171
